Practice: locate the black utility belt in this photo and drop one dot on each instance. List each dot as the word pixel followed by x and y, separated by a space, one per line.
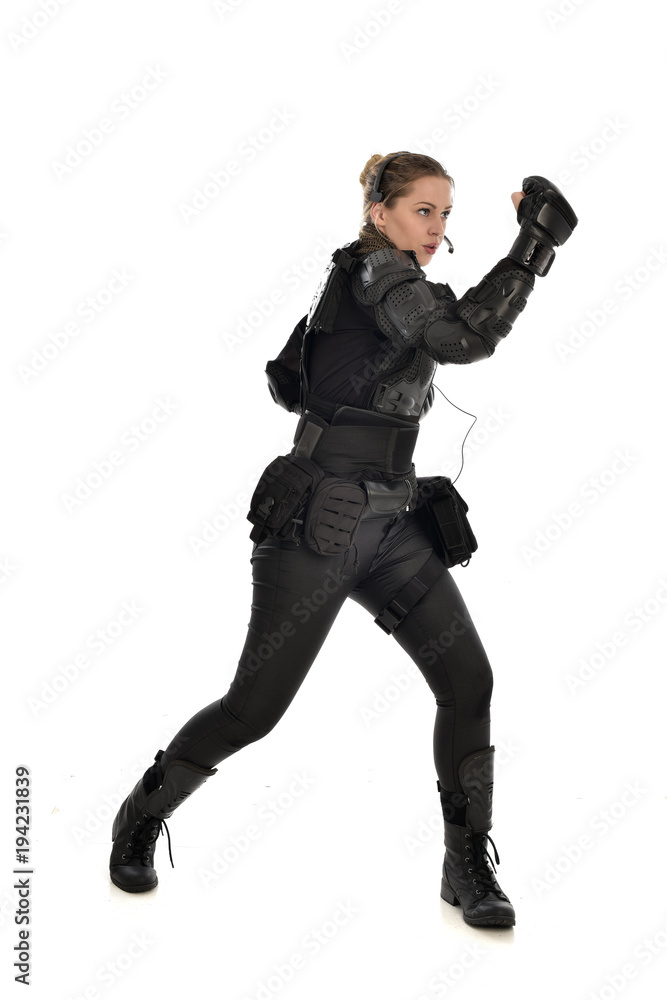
pixel 295 498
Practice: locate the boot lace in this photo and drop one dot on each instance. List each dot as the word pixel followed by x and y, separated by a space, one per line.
pixel 481 860
pixel 142 841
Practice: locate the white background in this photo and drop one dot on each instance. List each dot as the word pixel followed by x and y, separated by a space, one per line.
pixel 495 92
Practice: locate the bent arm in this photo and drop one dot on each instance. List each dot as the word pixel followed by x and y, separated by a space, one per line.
pixel 284 372
pixel 429 316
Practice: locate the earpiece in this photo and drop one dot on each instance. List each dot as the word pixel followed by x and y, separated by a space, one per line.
pixel 376 194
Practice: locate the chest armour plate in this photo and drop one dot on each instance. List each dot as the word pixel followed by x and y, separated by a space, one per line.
pixel 405 389
pixel 399 383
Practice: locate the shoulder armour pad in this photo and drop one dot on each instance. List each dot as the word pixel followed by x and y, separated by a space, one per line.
pixel 381 269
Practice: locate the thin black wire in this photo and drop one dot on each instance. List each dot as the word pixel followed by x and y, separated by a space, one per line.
pixel 474 420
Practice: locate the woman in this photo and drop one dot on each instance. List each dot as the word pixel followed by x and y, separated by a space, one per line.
pixel 358 369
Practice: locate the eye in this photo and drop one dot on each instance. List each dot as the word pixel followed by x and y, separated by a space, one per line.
pixel 427 210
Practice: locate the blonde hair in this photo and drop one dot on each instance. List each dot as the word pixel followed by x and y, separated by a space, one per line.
pixel 399 174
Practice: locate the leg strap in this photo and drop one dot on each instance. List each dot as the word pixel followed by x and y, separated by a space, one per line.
pixel 393 614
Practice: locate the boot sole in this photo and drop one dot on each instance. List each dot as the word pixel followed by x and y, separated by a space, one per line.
pixel 449 896
pixel 133 888
pixel 119 885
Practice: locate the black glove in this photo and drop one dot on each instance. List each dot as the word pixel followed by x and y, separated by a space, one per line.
pixel 547 221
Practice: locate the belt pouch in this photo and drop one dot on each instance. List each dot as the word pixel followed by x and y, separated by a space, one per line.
pixel 333 516
pixel 278 504
pixel 388 497
pixel 447 514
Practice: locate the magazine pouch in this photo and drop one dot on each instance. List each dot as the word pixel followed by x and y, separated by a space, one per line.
pixel 278 505
pixel 446 513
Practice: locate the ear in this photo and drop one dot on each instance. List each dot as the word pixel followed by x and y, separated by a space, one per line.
pixel 377 213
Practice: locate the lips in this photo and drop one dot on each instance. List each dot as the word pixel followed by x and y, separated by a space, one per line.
pixel 430 247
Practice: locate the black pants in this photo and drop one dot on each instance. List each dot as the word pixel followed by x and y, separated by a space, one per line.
pixel 297 594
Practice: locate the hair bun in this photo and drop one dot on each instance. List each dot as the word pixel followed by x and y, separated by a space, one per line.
pixel 374 160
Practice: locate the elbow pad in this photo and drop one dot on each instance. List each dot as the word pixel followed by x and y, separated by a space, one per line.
pixel 450 332
pixel 491 308
pixel 392 282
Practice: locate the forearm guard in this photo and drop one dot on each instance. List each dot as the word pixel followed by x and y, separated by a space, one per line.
pixel 547 220
pixel 429 316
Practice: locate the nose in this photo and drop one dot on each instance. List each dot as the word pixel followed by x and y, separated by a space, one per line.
pixel 438 227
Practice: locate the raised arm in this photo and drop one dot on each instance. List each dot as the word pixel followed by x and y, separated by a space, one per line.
pixel 468 329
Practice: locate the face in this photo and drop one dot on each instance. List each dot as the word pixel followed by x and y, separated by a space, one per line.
pixel 417 219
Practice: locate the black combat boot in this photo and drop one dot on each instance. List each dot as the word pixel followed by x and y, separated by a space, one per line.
pixel 141 817
pixel 467 876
